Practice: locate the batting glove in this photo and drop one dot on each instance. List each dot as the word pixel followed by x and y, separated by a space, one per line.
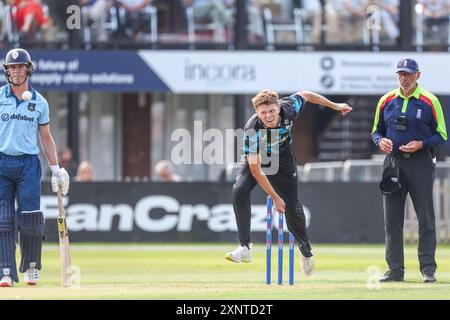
pixel 60 179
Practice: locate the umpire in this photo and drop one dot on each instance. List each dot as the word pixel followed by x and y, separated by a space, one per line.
pixel 409 124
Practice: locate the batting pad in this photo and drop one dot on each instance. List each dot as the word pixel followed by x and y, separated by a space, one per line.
pixel 31 227
pixel 7 242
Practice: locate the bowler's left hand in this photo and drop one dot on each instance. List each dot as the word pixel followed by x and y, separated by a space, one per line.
pixel 344 108
pixel 412 147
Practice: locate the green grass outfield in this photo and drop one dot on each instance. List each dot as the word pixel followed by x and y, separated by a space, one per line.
pixel 199 271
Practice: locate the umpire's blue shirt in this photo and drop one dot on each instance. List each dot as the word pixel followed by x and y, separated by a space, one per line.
pixel 19 121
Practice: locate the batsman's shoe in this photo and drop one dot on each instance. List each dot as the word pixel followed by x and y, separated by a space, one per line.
pixel 6 282
pixel 240 254
pixel 31 276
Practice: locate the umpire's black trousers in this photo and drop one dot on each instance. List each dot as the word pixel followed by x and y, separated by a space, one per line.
pixel 285 183
pixel 417 172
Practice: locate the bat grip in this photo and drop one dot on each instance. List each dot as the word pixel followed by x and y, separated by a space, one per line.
pixel 60 204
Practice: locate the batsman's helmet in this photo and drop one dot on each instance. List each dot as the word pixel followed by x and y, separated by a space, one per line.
pixel 17 56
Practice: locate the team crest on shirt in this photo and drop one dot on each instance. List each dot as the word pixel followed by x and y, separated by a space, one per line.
pixel 32 106
pixel 286 122
pixel 419 114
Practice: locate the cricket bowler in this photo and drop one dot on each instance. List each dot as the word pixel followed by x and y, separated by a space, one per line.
pixel 268 141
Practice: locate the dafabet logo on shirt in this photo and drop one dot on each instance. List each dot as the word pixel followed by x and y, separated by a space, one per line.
pixel 6 117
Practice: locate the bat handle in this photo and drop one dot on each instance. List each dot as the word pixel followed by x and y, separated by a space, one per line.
pixel 60 204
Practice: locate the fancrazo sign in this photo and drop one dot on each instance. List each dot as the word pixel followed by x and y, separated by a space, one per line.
pixel 90 217
pixel 231 72
pixel 201 212
pixel 175 216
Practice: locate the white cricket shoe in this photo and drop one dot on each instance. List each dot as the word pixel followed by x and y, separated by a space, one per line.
pixel 240 254
pixel 31 276
pixel 307 265
pixel 6 282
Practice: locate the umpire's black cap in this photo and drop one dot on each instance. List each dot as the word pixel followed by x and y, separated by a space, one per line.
pixel 390 183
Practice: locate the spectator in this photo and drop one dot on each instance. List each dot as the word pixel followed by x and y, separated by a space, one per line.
pixel 57 14
pixel 165 171
pixel 313 18
pixel 85 172
pixel 135 20
pixel 256 22
pixel 214 10
pixel 96 11
pixel 436 20
pixel 346 20
pixel 389 15
pixel 30 18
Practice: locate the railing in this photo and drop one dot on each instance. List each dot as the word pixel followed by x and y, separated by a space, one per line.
pixel 11 28
pixel 371 171
pixel 322 171
pixel 112 23
pixel 441 203
pixel 295 26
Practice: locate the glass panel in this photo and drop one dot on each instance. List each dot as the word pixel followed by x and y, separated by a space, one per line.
pixel 56 11
pixel 255 26
pixel 362 21
pixel 100 133
pixel 382 25
pixel 312 20
pixel 188 119
pixel 345 19
pixel 147 22
pixel 58 113
pixel 431 22
pixel 179 114
pixel 282 23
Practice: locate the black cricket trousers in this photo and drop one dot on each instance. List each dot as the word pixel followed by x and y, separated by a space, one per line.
pixel 417 173
pixel 285 183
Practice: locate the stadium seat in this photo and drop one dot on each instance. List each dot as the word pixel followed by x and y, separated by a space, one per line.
pixel 295 26
pixel 88 28
pixel 195 26
pixel 112 23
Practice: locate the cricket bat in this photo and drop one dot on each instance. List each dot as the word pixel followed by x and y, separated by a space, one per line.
pixel 64 247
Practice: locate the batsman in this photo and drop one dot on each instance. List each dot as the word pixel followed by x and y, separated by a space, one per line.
pixel 24 115
pixel 269 161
